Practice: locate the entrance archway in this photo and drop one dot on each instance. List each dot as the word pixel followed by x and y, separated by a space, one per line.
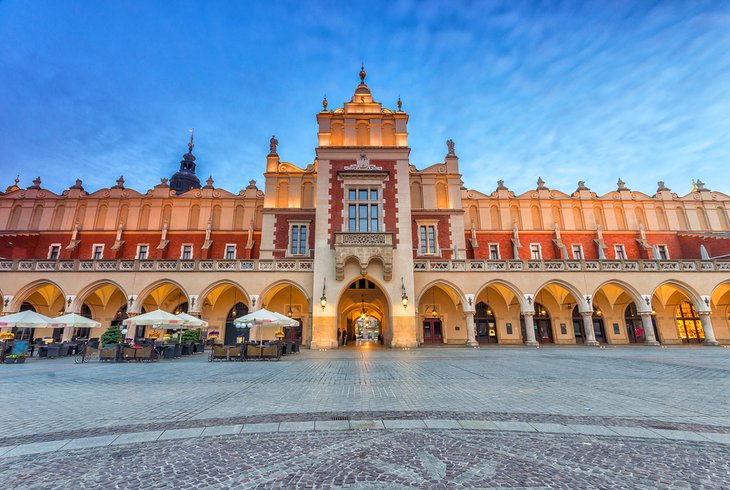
pixel 363 315
pixel 635 325
pixel 542 323
pixel 289 299
pixel 599 329
pixel 441 315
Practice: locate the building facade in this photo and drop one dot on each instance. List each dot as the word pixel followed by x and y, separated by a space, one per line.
pixel 363 241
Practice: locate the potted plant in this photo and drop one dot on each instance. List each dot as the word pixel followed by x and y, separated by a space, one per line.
pixel 10 359
pixel 154 334
pixel 279 334
pixel 7 336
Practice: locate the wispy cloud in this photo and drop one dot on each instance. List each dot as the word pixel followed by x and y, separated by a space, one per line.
pixel 588 91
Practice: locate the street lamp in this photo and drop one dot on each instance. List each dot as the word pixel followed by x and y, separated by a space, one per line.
pixel 404 296
pixel 323 299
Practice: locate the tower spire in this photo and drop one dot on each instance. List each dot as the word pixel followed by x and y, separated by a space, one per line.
pixel 191 145
pixel 185 178
pixel 362 73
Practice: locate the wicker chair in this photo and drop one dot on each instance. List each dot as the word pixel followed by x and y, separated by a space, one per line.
pixel 220 353
pixel 108 353
pixel 271 351
pixel 251 352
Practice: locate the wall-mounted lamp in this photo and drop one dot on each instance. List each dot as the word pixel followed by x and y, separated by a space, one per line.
pixel 253 301
pixel 323 299
pixel 403 296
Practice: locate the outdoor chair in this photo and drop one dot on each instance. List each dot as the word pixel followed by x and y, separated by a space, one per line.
pixel 53 351
pixel 223 353
pixel 63 351
pixel 251 352
pixel 271 351
pixel 108 353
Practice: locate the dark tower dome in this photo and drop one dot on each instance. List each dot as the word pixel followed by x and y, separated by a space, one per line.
pixel 185 178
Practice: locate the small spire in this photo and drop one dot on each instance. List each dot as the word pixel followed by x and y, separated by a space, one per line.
pixel 362 73
pixel 399 104
pixel 191 145
pixel 17 179
pixel 324 103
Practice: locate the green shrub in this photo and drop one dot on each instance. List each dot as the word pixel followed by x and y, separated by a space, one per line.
pixel 191 335
pixel 112 336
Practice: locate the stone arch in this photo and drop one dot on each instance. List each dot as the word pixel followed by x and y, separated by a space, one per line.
pixel 35 219
pixel 14 219
pixel 100 220
pixel 238 218
pixel 507 285
pixel 456 294
pixel 388 132
pixel 628 289
pixel 338 133
pixel 494 218
pixel 362 133
pixel 661 218
pixel 580 299
pixel 26 291
pixel 536 217
pixel 144 217
pixel 223 282
pixel 277 286
pixel 578 222
pixel 620 216
pixel 89 289
pixel 147 290
pixel 442 195
pixel 282 194
pixel 685 288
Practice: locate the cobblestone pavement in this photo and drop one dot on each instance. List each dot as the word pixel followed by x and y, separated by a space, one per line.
pixel 381 459
pixel 685 389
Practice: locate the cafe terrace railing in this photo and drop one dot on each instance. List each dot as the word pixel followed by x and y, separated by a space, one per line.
pixel 200 265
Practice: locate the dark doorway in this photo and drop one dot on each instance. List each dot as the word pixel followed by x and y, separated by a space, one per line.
pixel 543 325
pixel 635 326
pixel 486 324
pixel 233 334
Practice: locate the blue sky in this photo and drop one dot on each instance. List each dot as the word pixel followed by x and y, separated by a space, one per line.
pixel 568 90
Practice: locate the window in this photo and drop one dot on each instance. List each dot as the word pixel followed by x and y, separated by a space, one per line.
pixel 535 251
pixel 298 240
pixel 577 252
pixel 363 210
pixel 97 252
pixel 230 251
pixel 427 239
pixel 493 251
pixel 186 252
pixel 663 252
pixel 620 252
pixel 142 251
pixel 53 251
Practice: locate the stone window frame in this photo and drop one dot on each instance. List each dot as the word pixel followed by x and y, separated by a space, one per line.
pixel 307 226
pixel 539 251
pixel 51 247
pixel 139 251
pixel 94 248
pixel 428 223
pixel 182 251
pixel 622 248
pixel 356 179
pixel 496 247
pixel 225 251
pixel 358 186
pixel 662 247
pixel 579 247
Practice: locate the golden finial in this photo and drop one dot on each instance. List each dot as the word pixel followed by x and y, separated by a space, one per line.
pixel 191 145
pixel 362 73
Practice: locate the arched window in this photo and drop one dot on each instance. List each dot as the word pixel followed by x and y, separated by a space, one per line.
pixel 689 325
pixel 495 218
pixel 388 132
pixel 35 221
pixel 442 196
pixel 57 221
pixel 620 218
pixel 215 218
pixel 363 134
pixel 100 221
pixel 338 134
pixel 238 218
pixel 194 217
pixel 416 196
pixel 682 218
pixel 536 218
pixel 144 218
pixel 307 195
pixel 578 218
pixel 282 194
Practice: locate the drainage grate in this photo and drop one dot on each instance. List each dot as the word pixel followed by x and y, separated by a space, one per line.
pixel 341 417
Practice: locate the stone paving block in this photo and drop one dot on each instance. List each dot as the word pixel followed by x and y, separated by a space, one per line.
pixel 331 425
pixel 265 427
pixel 296 426
pixel 516 426
pixel 593 430
pixel 137 437
pixel 222 430
pixel 36 448
pixel 552 428
pixel 6 449
pixel 86 442
pixel 181 433
pixel 404 424
pixel 366 424
pixel 442 424
pixel 635 432
pixel 721 438
pixel 477 424
pixel 682 435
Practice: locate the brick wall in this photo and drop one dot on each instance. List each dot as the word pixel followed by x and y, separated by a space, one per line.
pixel 444 233
pixel 281 231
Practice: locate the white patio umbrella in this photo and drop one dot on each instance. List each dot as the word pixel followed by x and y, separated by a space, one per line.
pixel 191 321
pixel 264 317
pixel 157 318
pixel 73 320
pixel 27 319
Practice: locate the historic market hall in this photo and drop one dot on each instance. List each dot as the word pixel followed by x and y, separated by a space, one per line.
pixel 365 241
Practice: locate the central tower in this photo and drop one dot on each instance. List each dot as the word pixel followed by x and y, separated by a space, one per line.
pixel 363 217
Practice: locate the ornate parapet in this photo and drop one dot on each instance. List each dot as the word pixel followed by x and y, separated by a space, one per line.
pixel 364 247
